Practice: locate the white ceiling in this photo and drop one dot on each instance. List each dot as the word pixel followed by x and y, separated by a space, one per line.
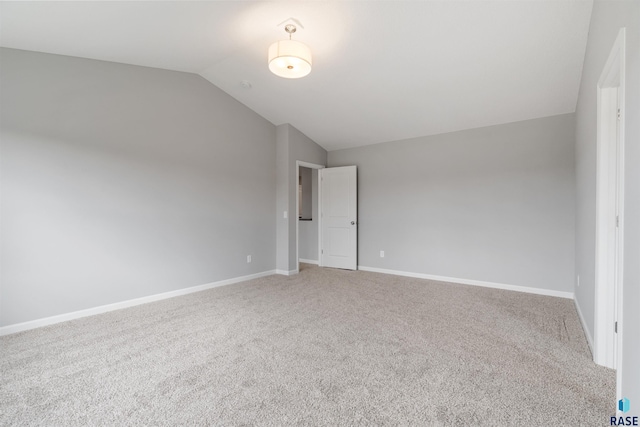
pixel 382 70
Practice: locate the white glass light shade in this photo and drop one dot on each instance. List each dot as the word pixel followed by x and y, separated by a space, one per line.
pixel 289 59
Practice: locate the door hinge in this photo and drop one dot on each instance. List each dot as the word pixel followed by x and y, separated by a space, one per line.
pixel 322 251
pixel 618 114
pixel 616 327
pixel 617 221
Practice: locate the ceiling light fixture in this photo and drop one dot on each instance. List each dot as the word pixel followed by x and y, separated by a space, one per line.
pixel 289 58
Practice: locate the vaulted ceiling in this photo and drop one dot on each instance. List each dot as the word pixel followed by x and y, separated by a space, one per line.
pixel 382 70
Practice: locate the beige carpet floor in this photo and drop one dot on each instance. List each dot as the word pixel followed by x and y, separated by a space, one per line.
pixel 325 347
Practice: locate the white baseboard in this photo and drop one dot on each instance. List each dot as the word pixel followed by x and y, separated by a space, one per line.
pixel 287 273
pixel 32 324
pixel 309 261
pixel 538 291
pixel 587 333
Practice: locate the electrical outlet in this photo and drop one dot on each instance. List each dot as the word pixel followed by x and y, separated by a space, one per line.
pixel 248 258
pixel 578 280
pixel 285 214
pixel 381 254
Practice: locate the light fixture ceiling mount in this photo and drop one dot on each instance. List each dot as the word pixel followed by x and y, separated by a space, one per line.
pixel 290 29
pixel 289 58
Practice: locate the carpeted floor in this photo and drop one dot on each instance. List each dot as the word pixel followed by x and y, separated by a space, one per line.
pixel 325 347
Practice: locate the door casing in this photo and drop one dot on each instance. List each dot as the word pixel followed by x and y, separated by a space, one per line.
pixel 609 264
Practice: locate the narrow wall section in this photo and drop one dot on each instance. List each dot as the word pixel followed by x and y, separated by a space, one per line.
pixel 293 146
pixel 606 20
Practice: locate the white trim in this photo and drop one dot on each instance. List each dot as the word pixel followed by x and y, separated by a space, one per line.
pixel 538 291
pixel 287 273
pixel 308 261
pixel 609 258
pixel 587 333
pixel 46 321
pixel 309 165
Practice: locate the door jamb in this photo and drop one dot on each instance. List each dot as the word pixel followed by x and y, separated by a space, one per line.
pixel 607 349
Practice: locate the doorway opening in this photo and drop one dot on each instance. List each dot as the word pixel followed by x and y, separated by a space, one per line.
pixel 308 213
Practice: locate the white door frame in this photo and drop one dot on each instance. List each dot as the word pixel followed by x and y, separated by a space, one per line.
pixel 609 210
pixel 300 163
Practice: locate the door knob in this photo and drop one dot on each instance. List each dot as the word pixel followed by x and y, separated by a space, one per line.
pixel 353 223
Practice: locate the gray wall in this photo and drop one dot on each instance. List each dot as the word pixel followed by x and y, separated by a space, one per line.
pixel 120 182
pixel 493 204
pixel 282 199
pixel 606 20
pixel 292 145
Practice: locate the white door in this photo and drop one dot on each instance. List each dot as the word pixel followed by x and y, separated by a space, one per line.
pixel 339 217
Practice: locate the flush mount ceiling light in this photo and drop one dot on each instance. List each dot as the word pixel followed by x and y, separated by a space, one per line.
pixel 288 58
